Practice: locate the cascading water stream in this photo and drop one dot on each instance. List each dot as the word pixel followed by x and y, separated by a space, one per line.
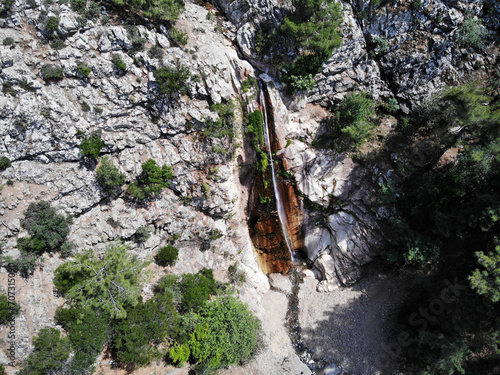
pixel 279 202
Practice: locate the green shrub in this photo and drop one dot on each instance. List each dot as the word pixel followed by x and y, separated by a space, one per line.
pixel 196 288
pixel 224 125
pixel 50 353
pixel 24 265
pixel 93 11
pixel 51 72
pixel 142 234
pixel 180 38
pixel 57 44
pixel 86 108
pixel 83 69
pixel 52 24
pixel 8 310
pixel 353 117
pixel 167 256
pixel 236 276
pixel 155 52
pixel 172 81
pixel 119 64
pixel 88 331
pixel 4 163
pixel 227 334
pixel 150 182
pixel 91 146
pixel 109 177
pixel 107 284
pixel 47 228
pixel 8 41
pixel 248 83
pixel 487 280
pixel 5 7
pixel 472 33
pixel 146 326
pixel 167 10
pixel 78 5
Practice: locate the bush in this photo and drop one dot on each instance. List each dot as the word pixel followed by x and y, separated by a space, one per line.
pixel 48 230
pixel 146 326
pixel 155 52
pixel 24 265
pixel 50 353
pixel 150 182
pixel 8 41
pixel 109 177
pixel 353 117
pixel 107 284
pixel 4 163
pixel 52 24
pixel 8 310
pixel 141 235
pixel 196 288
pixel 91 146
pixel 57 44
pixel 88 331
pixel 167 256
pixel 51 72
pixel 119 64
pixel 86 107
pixel 180 38
pixel 83 69
pixel 172 82
pixel 227 334
pixel 167 10
pixel 472 33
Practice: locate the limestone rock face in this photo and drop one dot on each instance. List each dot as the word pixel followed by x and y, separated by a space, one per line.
pixel 42 124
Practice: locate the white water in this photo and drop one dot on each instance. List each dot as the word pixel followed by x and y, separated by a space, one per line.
pixel 279 203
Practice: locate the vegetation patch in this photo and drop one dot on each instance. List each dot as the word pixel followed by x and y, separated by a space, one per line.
pixel 150 182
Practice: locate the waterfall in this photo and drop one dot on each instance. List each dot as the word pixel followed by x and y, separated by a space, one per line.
pixel 279 201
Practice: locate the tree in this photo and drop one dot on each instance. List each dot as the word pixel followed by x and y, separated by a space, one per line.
pixel 88 331
pixel 47 228
pixel 146 326
pixel 152 179
pixel 50 353
pixel 227 334
pixel 109 176
pixel 196 288
pixel 487 281
pixel 108 284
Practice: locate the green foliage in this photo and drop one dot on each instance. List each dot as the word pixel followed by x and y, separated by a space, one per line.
pixel 5 7
pixel 172 81
pixel 109 177
pixel 167 256
pixel 196 288
pixel 108 284
pixel 179 354
pixel 256 128
pixel 353 117
pixel 227 334
pixel 119 63
pixel 248 83
pixel 83 69
pixel 180 38
pixel 8 310
pixel 92 145
pixel 146 326
pixel 487 281
pixel 51 72
pixel 155 52
pixel 50 353
pixel 150 182
pixel 52 24
pixel 88 332
pixel 224 125
pixel 86 107
pixel 142 234
pixel 47 228
pixel 78 5
pixel 8 41
pixel 57 44
pixel 24 265
pixel 472 33
pixel 236 276
pixel 2 370
pixel 380 46
pixel 314 27
pixel 4 163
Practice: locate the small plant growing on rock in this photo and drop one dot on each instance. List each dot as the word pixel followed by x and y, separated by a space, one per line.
pixel 141 235
pixel 4 163
pixel 119 63
pixel 57 44
pixel 150 182
pixel 167 256
pixel 155 52
pixel 180 38
pixel 172 81
pixel 7 310
pixel 91 146
pixel 472 33
pixel 83 69
pixel 109 177
pixel 51 72
pixel 85 106
pixel 52 24
pixel 8 41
